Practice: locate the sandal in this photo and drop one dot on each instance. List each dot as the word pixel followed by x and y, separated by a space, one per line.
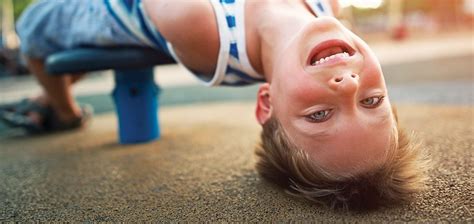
pixel 17 114
pixel 50 122
pixel 22 107
pixel 53 124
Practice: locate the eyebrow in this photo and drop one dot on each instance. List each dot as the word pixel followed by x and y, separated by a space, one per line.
pixel 305 131
pixel 382 118
pixel 379 120
pixel 320 134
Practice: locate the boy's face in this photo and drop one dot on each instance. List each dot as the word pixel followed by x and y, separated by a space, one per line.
pixel 336 109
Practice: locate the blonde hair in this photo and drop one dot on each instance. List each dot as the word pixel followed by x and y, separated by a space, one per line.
pixel 403 174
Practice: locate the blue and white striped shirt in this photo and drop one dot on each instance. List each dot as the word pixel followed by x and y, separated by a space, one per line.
pixel 233 66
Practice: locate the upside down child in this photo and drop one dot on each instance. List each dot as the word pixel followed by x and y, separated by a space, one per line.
pixel 329 131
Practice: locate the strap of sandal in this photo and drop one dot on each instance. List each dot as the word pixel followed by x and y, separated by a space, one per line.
pixel 52 122
pixel 16 120
pixel 25 106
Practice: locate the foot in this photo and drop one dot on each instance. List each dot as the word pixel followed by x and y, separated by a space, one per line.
pixel 31 108
pixel 38 117
pixel 56 123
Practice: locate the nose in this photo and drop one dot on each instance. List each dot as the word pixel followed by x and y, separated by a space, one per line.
pixel 347 83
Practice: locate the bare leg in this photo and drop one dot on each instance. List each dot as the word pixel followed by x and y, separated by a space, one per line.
pixel 57 91
pixel 75 78
pixel 42 98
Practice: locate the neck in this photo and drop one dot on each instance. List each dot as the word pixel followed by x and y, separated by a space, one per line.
pixel 276 25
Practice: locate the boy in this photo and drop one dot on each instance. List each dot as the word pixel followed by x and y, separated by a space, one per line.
pixel 329 133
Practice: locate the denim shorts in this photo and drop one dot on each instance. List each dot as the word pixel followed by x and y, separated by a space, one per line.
pixel 50 26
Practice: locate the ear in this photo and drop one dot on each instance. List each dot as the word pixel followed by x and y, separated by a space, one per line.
pixel 263 109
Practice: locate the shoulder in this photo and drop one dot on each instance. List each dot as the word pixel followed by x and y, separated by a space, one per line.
pixel 191 27
pixel 171 16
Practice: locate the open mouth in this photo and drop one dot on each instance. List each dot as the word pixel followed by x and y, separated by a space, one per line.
pixel 330 50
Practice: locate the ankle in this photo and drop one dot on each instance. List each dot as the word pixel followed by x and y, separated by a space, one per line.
pixel 69 114
pixel 41 99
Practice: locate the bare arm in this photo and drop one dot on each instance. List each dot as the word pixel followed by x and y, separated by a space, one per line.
pixel 191 28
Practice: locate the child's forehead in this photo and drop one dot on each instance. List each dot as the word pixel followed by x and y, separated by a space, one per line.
pixel 352 156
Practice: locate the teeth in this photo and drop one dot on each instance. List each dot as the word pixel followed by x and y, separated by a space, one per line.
pixel 322 60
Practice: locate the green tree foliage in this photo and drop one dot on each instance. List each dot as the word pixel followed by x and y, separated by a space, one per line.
pixel 18 6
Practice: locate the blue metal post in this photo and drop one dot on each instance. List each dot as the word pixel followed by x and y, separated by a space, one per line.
pixel 136 103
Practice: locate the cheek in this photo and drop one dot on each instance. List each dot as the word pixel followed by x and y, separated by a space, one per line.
pixel 371 66
pixel 307 93
pixel 295 94
pixel 292 84
pixel 300 91
pixel 372 74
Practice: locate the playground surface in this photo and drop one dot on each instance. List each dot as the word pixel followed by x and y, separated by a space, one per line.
pixel 203 170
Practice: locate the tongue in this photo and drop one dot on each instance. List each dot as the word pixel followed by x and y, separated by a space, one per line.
pixel 328 52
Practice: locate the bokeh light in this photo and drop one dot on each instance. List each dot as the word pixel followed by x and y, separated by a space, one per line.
pixel 371 4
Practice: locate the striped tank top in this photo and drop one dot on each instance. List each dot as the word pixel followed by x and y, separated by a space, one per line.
pixel 233 66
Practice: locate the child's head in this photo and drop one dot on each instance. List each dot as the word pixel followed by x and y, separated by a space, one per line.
pixel 329 133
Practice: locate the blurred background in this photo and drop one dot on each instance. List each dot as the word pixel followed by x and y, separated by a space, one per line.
pixel 374 20
pixel 401 19
pixel 424 42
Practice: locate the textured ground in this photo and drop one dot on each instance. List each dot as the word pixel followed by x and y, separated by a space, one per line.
pixel 203 170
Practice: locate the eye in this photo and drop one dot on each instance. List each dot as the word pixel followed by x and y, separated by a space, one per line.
pixel 319 116
pixel 372 102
